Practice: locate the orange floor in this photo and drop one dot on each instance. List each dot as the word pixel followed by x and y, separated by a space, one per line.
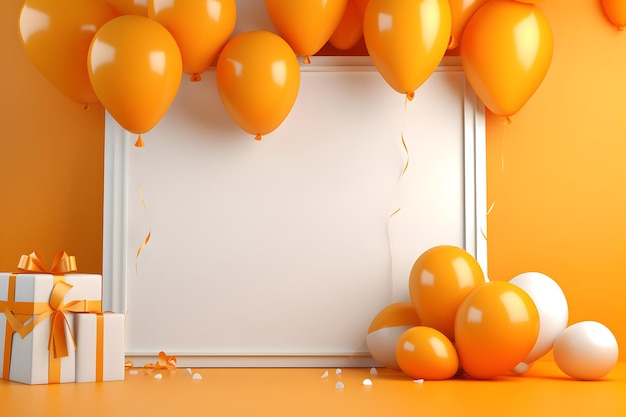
pixel 544 391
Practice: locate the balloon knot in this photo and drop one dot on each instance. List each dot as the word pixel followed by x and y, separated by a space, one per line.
pixel 620 28
pixel 410 95
pixel 139 143
pixel 307 59
pixel 453 43
pixel 86 106
pixel 507 120
pixel 195 78
pixel 257 137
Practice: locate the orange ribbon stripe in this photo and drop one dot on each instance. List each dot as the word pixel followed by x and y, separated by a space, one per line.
pixel 99 346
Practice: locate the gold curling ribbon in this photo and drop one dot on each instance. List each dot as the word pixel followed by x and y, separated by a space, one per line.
pixel 17 314
pixel 147 238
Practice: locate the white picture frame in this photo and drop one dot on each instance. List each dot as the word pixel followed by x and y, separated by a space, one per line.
pixel 341 150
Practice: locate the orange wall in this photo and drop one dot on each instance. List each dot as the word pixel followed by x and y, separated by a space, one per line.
pixel 560 193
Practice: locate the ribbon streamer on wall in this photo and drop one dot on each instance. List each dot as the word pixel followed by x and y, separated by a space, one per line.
pixel 139 144
pixel 392 215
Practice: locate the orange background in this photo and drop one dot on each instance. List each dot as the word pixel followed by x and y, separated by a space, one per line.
pixel 557 173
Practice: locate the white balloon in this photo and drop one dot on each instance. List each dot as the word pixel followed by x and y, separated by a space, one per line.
pixel 553 313
pixel 586 350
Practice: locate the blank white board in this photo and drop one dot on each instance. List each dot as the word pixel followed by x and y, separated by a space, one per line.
pixel 280 252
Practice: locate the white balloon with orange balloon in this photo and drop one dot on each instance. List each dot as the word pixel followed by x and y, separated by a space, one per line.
pixel 553 313
pixel 385 330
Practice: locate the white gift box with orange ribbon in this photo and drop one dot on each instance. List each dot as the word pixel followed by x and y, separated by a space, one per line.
pixel 99 346
pixel 36 344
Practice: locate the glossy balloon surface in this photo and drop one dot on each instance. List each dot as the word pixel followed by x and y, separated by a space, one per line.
pixel 506 51
pixel 200 28
pixel 586 350
pixel 258 79
pixel 56 36
pixel 306 25
pixel 496 327
pixel 406 39
pixel 425 353
pixel 440 279
pixel 135 69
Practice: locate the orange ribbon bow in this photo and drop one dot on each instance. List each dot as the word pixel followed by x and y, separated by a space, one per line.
pixel 164 362
pixel 55 308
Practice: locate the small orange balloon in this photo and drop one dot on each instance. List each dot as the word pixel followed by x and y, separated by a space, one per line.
pixel 135 69
pixel 350 28
pixel 425 353
pixel 440 279
pixel 200 28
pixel 258 79
pixel 506 50
pixel 56 36
pixel 615 10
pixel 386 328
pixel 406 39
pixel 306 25
pixel 496 326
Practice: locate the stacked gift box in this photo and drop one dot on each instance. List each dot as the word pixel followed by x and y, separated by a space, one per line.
pixel 52 328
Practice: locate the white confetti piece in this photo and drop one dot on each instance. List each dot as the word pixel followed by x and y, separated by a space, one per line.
pixel 373 372
pixel 337 371
pixel 324 375
pixel 196 376
pixel 367 382
pixel 339 385
pixel 133 372
pixel 418 381
pixel 158 376
pixel 189 371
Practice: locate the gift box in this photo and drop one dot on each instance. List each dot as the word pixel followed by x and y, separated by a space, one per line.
pixel 36 323
pixel 99 346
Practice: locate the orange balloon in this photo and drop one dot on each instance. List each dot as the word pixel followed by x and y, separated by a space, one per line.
pixel 386 328
pixel 201 28
pixel 496 327
pixel 406 39
pixel 461 11
pixel 306 25
pixel 135 69
pixel 350 28
pixel 56 37
pixel 506 52
pixel 425 353
pixel 258 79
pixel 123 7
pixel 440 279
pixel 616 12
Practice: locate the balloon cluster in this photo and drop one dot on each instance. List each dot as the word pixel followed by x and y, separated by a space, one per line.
pixel 459 323
pixel 130 56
